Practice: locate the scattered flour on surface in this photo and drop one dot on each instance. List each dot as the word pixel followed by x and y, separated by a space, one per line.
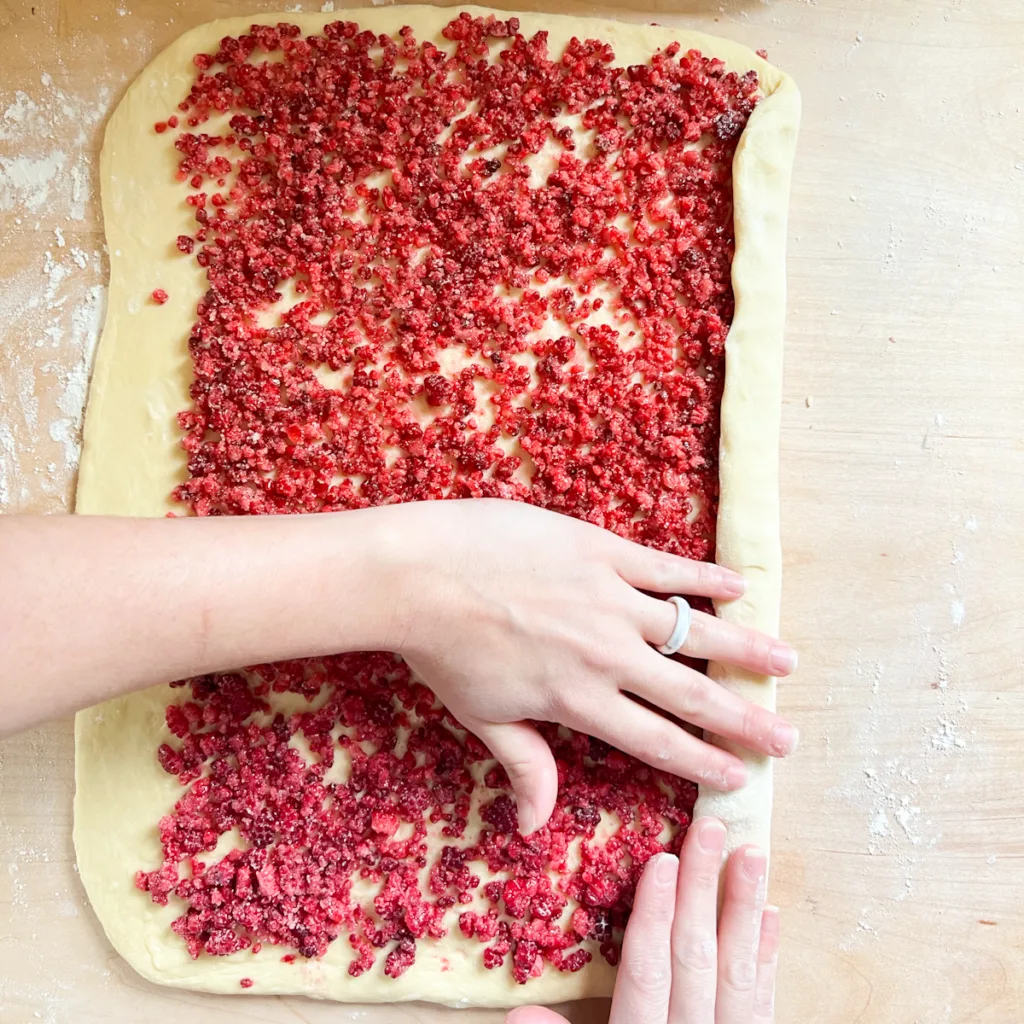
pixel 86 321
pixel 876 679
pixel 67 908
pixel 879 826
pixel 16 114
pixel 51 304
pixel 25 182
pixel 890 258
pixel 27 396
pixel 958 606
pixel 947 738
pixel 8 457
pixel 901 783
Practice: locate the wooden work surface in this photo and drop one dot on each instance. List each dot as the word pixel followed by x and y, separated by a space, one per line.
pixel 899 827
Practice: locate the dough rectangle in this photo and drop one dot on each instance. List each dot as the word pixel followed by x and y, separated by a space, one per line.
pixel 132 461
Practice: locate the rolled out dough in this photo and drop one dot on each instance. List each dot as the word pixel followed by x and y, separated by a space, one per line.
pixel 132 461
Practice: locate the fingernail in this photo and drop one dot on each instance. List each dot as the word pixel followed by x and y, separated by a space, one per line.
pixel 711 835
pixel 782 659
pixel 754 862
pixel 666 868
pixel 770 924
pixel 527 818
pixel 735 776
pixel 785 739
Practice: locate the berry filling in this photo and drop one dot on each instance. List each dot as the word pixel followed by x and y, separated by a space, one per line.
pixel 453 270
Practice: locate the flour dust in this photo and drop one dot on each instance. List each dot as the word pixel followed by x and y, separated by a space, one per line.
pixel 52 303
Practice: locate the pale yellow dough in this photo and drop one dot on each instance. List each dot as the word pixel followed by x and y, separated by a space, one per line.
pixel 132 461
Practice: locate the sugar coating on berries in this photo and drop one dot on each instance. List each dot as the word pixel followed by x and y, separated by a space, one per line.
pixel 563 226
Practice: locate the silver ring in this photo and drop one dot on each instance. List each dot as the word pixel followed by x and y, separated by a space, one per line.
pixel 682 627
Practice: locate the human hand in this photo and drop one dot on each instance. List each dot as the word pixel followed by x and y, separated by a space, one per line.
pixel 677 967
pixel 509 612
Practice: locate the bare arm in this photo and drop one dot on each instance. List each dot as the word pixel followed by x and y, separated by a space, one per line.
pixel 509 613
pixel 93 607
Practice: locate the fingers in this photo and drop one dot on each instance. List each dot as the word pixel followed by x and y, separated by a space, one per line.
pixel 527 758
pixel 694 698
pixel 660 743
pixel 714 639
pixel 645 970
pixel 694 943
pixel 647 569
pixel 534 1015
pixel 767 967
pixel 739 930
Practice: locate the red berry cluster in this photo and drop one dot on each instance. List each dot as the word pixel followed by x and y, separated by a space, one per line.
pixel 517 268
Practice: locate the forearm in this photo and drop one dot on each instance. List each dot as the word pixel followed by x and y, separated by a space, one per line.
pixel 509 613
pixel 94 607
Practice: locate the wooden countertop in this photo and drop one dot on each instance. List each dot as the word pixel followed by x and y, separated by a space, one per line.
pixel 899 828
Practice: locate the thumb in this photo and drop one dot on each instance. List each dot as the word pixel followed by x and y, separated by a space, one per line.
pixel 527 758
pixel 534 1015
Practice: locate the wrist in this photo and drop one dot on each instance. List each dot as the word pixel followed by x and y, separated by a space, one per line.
pixel 381 580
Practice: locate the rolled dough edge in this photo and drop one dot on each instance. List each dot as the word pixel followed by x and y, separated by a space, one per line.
pixel 748 534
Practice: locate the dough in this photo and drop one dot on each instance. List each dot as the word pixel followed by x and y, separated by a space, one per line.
pixel 132 461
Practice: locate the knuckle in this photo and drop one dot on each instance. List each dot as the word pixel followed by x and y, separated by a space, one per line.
pixel 690 698
pixel 706 573
pixel 712 769
pixel 667 737
pixel 648 972
pixel 754 723
pixel 582 716
pixel 755 650
pixel 706 880
pixel 658 746
pixel 558 703
pixel 740 973
pixel 676 574
pixel 662 571
pixel 602 657
pixel 694 951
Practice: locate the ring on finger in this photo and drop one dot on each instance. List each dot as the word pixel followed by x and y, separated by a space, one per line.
pixel 681 629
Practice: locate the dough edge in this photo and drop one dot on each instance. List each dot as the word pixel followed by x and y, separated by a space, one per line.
pixel 131 450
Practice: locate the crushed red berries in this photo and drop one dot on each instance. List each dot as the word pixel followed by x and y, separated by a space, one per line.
pixel 513 280
pixel 160 296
